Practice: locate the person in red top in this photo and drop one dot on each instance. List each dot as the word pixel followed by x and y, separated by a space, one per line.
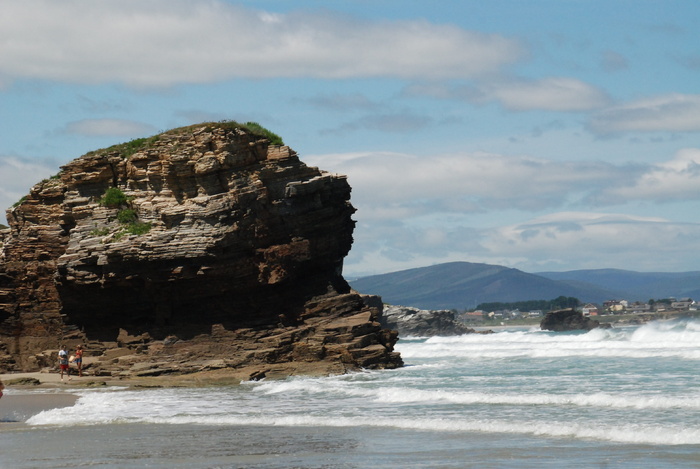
pixel 79 359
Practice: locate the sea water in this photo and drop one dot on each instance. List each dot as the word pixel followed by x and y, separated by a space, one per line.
pixel 519 398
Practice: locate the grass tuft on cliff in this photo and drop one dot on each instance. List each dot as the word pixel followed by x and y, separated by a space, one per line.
pixel 138 228
pixel 127 149
pixel 127 217
pixel 257 129
pixel 114 198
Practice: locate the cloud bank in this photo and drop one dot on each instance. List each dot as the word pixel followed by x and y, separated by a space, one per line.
pixel 559 94
pixel 557 241
pixel 108 127
pixel 415 209
pixel 469 182
pixel 549 94
pixel 17 176
pixel 168 42
pixel 673 112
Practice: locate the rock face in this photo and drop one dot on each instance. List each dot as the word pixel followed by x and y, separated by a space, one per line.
pixel 568 320
pixel 411 321
pixel 213 249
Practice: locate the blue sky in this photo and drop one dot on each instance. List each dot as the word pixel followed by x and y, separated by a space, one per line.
pixel 540 135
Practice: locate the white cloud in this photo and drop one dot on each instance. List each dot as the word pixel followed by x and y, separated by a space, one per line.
pixel 166 42
pixel 17 176
pixel 558 241
pixel 108 127
pixel 593 240
pixel 672 112
pixel 421 210
pixel 399 185
pixel 676 179
pixel 548 94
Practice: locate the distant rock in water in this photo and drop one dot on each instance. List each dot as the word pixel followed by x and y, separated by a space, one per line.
pixel 569 320
pixel 202 248
pixel 424 323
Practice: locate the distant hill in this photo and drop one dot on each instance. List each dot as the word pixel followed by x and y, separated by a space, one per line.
pixel 463 285
pixel 638 286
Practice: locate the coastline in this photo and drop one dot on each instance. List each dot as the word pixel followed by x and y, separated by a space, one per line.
pixel 52 380
pixel 16 409
pixel 28 393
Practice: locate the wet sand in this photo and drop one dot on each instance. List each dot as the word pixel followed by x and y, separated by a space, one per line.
pixel 52 379
pixel 16 408
pixel 21 401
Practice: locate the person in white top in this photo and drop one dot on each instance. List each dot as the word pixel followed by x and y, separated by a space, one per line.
pixel 63 362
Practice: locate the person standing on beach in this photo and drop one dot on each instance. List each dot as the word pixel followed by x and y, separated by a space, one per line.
pixel 2 387
pixel 79 359
pixel 63 362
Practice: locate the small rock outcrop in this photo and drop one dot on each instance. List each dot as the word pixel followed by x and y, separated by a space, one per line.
pixel 411 321
pixel 201 248
pixel 568 320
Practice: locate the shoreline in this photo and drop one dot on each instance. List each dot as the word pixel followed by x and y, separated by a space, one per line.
pixel 44 391
pixel 52 380
pixel 17 408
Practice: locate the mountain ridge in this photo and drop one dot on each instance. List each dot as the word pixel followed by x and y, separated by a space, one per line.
pixel 640 285
pixel 464 285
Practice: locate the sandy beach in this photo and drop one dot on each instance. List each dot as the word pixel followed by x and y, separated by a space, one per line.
pixel 21 401
pixel 46 390
pixel 15 409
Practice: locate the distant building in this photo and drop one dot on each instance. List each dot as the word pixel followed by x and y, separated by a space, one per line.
pixel 590 309
pixel 682 304
pixel 639 307
pixel 615 306
pixel 474 316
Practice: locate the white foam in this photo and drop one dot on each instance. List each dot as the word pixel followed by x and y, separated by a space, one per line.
pixel 656 402
pixel 599 400
pixel 623 433
pixel 670 339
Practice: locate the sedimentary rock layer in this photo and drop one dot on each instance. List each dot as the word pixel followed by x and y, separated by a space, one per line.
pixel 409 321
pixel 569 320
pixel 202 243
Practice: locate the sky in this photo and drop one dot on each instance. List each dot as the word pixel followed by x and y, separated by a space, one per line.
pixel 546 135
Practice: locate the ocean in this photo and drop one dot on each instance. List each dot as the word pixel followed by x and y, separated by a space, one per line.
pixel 625 397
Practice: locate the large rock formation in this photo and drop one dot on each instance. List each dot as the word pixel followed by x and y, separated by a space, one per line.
pixel 569 320
pixel 201 247
pixel 409 321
